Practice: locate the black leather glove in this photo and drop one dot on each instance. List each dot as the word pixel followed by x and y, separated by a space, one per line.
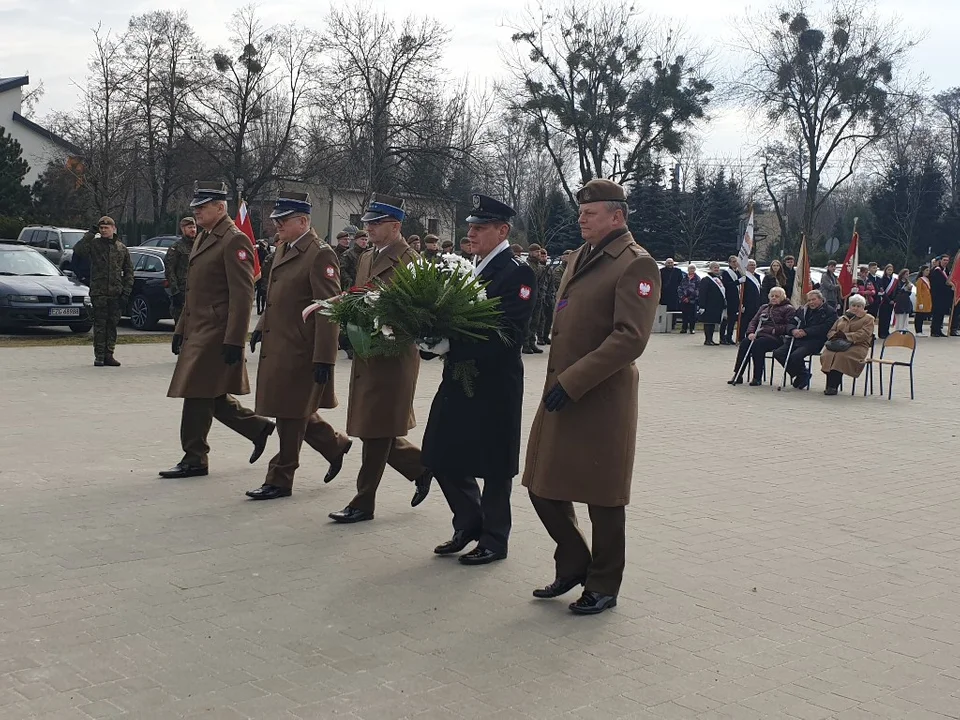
pixel 424 355
pixel 255 337
pixel 232 354
pixel 321 373
pixel 556 399
pixel 176 344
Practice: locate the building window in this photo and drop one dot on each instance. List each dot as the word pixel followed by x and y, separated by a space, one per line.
pixel 433 226
pixel 355 220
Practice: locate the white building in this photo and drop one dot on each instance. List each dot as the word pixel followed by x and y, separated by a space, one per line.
pixel 39 145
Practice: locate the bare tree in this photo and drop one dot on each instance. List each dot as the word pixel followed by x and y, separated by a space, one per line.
pixel 104 127
pixel 161 66
pixel 824 83
pixel 243 112
pixel 389 121
pixel 600 80
pixel 947 109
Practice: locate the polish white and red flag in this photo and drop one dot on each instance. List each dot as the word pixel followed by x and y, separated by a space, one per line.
pixel 246 227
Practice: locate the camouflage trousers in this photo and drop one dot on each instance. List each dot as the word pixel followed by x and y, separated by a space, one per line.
pixel 106 315
pixel 536 324
pixel 176 308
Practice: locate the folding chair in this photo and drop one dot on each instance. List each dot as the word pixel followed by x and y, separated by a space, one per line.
pixel 901 339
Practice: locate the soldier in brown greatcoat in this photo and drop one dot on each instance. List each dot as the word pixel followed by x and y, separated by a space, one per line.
pixel 211 334
pixel 295 376
pixel 582 442
pixel 380 409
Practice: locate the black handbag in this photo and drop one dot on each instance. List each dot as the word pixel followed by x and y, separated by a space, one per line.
pixel 838 345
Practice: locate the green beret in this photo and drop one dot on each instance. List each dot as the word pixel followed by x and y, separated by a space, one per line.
pixel 600 190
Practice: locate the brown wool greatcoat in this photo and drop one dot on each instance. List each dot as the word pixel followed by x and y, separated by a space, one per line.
pixel 382 388
pixel 216 313
pixel 602 321
pixel 289 347
pixel 859 331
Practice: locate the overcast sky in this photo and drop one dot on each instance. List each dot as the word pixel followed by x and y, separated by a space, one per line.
pixel 51 39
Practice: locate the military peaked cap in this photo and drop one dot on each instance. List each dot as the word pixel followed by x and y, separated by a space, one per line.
pixel 384 207
pixel 204 192
pixel 291 203
pixel 487 210
pixel 600 190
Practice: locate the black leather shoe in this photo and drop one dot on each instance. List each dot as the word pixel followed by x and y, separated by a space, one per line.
pixel 546 341
pixel 535 350
pixel 260 444
pixel 592 603
pixel 756 383
pixel 527 351
pixel 460 539
pixel 481 556
pixel 736 381
pixel 337 464
pixel 831 391
pixel 423 488
pixel 268 492
pixel 350 515
pixel 558 587
pixel 184 471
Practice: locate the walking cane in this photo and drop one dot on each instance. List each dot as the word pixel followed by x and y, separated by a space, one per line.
pixel 789 353
pixel 738 373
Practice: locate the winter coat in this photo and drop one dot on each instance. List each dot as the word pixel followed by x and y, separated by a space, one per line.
pixel 816 324
pixel 606 306
pixel 670 281
pixel 770 281
pixel 903 299
pixel 491 448
pixel 859 331
pixel 289 347
pixel 731 287
pixel 830 287
pixel 216 313
pixel 712 300
pixel 924 298
pixel 751 297
pixel 382 388
pixel 941 292
pixel 779 320
pixel 688 291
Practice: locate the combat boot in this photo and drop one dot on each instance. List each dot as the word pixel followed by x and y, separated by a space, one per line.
pixel 111 361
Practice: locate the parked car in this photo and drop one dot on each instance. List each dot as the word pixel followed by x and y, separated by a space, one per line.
pixel 54 243
pixel 161 241
pixel 149 299
pixel 34 292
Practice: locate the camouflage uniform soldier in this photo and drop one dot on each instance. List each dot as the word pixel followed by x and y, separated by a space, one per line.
pixel 175 264
pixel 351 258
pixel 111 281
pixel 552 275
pixel 539 271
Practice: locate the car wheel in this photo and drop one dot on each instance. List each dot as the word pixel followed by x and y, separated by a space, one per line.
pixel 81 328
pixel 141 314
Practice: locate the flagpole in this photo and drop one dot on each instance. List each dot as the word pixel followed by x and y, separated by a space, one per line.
pixel 743 272
pixel 853 270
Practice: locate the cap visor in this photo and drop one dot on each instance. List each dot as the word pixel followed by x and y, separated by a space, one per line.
pixel 479 220
pixel 197 202
pixel 282 213
pixel 373 217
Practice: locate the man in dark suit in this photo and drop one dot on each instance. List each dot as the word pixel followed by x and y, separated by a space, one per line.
pixel 670 279
pixel 491 450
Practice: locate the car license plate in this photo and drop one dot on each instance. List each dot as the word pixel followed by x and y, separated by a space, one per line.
pixel 65 312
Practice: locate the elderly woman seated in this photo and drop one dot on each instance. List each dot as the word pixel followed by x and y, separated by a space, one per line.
pixel 848 343
pixel 765 333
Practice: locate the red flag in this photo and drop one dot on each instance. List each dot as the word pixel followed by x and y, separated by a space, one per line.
pixel 801 281
pixel 246 227
pixel 850 266
pixel 955 278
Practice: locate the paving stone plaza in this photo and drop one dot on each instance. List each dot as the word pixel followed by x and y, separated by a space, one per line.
pixel 789 556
